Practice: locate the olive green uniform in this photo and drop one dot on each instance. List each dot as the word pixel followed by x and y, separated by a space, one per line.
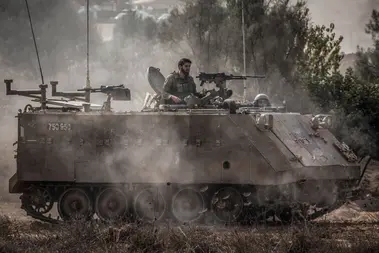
pixel 178 86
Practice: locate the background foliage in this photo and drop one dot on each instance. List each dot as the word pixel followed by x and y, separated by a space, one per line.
pixel 300 59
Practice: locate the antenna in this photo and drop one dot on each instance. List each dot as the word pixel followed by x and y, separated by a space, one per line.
pixel 115 92
pixel 244 50
pixel 88 83
pixel 42 86
pixel 34 40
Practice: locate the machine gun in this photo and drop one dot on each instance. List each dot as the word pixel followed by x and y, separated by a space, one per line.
pixel 222 77
pixel 117 92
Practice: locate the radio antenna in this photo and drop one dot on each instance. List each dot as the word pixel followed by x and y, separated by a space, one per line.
pixel 34 40
pixel 88 83
pixel 243 48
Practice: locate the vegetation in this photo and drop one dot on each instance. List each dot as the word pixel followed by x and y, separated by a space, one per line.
pixel 300 60
pixel 93 237
pixel 209 32
pixel 353 96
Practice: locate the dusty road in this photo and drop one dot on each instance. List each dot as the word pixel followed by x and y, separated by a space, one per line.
pixel 20 233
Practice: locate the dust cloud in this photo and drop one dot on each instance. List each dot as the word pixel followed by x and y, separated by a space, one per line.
pixel 112 62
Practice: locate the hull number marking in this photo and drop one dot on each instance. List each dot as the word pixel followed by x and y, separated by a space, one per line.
pixel 59 126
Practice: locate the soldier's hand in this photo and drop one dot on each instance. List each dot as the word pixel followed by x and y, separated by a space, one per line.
pixel 175 99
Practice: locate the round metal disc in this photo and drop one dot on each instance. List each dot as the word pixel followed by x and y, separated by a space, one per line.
pixel 74 204
pixel 285 214
pixel 187 205
pixel 111 204
pixel 149 204
pixel 227 204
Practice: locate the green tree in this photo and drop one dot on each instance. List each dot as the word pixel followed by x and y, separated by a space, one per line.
pixel 365 92
pixel 202 24
pixel 353 96
pixel 318 67
pixel 367 64
pixel 135 24
pixel 275 34
pixel 274 40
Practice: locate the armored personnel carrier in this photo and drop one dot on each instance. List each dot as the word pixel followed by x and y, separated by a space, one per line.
pixel 211 158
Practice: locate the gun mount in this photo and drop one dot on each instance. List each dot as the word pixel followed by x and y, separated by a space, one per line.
pixel 70 101
pixel 207 99
pixel 251 108
pixel 28 93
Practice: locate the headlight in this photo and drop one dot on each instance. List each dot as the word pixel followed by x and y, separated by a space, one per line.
pixel 320 120
pixel 265 122
pixel 328 121
pixel 261 120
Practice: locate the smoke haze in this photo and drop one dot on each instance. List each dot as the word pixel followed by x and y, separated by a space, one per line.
pixel 349 17
pixel 134 57
pixel 111 63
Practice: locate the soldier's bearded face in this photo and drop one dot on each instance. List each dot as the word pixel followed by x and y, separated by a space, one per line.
pixel 186 68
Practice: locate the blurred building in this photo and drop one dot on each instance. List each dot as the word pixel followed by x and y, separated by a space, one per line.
pixel 105 11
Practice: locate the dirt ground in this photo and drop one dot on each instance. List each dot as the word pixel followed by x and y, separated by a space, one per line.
pixel 19 233
pixel 354 227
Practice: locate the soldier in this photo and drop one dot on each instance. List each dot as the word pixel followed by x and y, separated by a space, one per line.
pixel 180 84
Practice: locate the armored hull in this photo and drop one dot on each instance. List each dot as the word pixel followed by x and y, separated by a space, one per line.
pixel 186 165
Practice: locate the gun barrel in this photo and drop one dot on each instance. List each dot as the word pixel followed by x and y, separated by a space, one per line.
pixel 211 76
pixel 231 77
pixel 93 90
pixel 235 77
pixel 104 88
pixel 257 76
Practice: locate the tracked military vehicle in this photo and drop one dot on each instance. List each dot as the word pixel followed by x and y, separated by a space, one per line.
pixel 209 159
